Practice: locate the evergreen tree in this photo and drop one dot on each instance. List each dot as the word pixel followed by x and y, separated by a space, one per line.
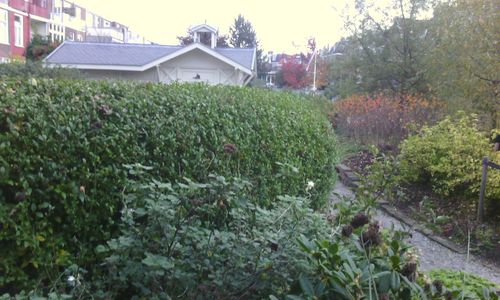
pixel 242 35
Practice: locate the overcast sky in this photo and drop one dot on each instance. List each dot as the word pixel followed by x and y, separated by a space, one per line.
pixel 279 24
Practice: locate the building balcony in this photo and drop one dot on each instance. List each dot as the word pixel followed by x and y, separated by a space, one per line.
pixel 21 5
pixel 39 28
pixel 108 34
pixel 40 8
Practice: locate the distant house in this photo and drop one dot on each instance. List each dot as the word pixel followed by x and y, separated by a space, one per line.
pixel 196 62
pixel 275 63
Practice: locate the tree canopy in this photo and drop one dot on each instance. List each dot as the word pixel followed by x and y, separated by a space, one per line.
pixel 444 50
pixel 242 34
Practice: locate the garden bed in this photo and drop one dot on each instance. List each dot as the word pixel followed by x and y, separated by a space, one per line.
pixel 445 217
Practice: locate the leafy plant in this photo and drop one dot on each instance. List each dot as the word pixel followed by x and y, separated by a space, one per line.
pixel 63 145
pixel 449 156
pixel 470 285
pixel 364 261
pixel 203 241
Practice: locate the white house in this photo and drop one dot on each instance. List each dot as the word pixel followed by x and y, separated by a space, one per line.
pixel 196 62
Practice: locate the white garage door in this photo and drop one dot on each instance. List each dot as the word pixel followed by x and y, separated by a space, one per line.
pixel 192 75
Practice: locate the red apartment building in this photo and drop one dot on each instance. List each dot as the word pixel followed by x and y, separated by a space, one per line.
pixel 19 21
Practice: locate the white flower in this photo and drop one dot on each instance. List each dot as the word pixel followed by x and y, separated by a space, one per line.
pixel 310 185
pixel 71 279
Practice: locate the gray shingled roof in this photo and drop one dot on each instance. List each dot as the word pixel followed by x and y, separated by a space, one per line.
pixel 243 56
pixel 133 55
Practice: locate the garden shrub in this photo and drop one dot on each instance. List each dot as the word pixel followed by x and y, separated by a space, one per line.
pixel 63 145
pixel 472 286
pixel 449 157
pixel 193 240
pixel 382 119
pixel 27 69
pixel 362 259
pixel 207 241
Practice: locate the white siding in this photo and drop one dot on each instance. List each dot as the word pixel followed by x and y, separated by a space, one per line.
pixel 187 67
pixel 148 75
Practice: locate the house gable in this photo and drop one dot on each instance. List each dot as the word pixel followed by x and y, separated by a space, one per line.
pixel 203 48
pixel 198 66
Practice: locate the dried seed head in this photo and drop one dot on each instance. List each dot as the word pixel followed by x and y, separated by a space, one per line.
pixel 105 110
pixel 274 246
pixel 330 217
pixel 21 196
pixel 196 202
pixel 359 220
pixel 409 270
pixel 96 125
pixel 438 284
pixel 448 295
pixel 427 287
pixel 347 231
pixel 229 148
pixel 221 204
pixel 371 237
pixel 9 110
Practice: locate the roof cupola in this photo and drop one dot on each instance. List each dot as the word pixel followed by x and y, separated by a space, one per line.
pixel 205 34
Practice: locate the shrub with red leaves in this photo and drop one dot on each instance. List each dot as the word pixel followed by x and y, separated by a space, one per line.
pixel 381 119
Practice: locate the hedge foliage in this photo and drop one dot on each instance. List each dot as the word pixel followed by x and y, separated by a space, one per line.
pixel 63 145
pixel 449 156
pixel 29 68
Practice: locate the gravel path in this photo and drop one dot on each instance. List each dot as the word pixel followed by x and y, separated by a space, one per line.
pixel 432 255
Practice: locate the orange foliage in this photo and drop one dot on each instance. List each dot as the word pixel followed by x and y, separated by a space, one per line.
pixel 382 119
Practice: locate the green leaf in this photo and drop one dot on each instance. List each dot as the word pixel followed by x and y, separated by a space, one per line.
pixel 157 261
pixel 306 285
pixel 395 281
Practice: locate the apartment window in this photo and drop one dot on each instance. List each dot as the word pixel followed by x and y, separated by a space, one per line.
pixel 18 31
pixel 4 27
pixel 41 3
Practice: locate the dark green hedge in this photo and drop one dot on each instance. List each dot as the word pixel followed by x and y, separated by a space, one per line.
pixel 63 145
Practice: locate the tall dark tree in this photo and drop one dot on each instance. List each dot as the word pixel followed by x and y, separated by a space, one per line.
pixel 242 35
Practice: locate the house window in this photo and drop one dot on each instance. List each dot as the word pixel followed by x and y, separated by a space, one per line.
pixel 4 28
pixel 18 31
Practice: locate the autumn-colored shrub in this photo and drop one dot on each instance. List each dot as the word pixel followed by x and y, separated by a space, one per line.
pixel 382 119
